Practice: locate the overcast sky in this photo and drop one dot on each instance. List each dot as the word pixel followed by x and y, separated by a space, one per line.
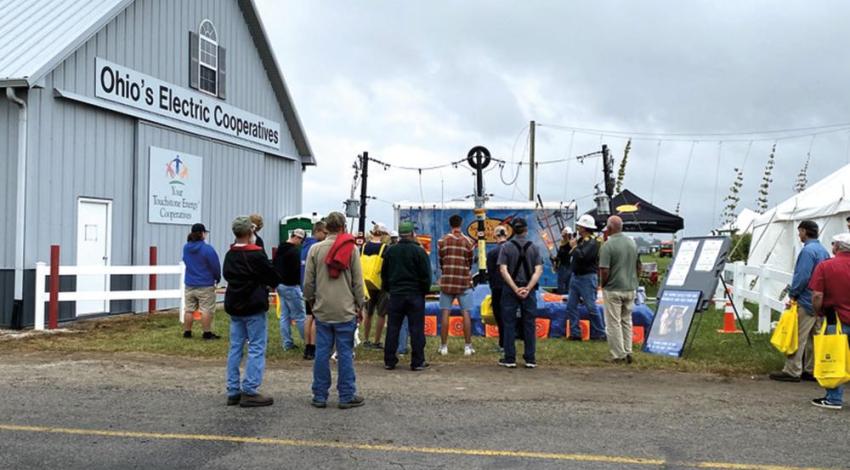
pixel 420 82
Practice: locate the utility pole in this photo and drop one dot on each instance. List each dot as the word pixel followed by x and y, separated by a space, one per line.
pixel 531 168
pixel 607 169
pixel 364 164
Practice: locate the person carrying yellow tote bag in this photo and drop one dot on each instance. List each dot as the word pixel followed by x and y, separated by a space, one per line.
pixel 832 357
pixel 785 337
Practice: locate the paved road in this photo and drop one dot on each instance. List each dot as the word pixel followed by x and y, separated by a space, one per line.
pixel 153 412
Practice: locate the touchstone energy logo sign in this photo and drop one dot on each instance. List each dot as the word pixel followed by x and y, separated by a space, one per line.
pixel 122 85
pixel 176 187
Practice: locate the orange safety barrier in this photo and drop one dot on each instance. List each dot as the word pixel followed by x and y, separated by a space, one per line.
pixel 637 334
pixel 541 327
pixel 430 325
pixel 585 329
pixel 550 297
pixel 729 325
pixel 455 326
pixel 491 331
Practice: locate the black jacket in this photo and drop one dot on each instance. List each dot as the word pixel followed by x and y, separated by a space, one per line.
pixel 249 274
pixel 287 262
pixel 585 257
pixel 494 275
pixel 406 269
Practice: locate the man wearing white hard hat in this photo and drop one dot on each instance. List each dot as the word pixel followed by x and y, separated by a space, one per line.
pixel 562 260
pixel 830 285
pixel 584 264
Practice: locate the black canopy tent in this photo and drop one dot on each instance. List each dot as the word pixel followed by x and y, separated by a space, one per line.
pixel 639 215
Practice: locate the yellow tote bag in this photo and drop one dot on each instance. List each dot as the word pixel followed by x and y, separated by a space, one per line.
pixel 832 354
pixel 785 337
pixel 372 265
pixel 487 311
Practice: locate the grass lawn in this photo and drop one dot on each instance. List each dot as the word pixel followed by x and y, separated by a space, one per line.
pixel 161 334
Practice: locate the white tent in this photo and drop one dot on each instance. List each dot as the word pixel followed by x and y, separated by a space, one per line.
pixel 743 223
pixel 775 241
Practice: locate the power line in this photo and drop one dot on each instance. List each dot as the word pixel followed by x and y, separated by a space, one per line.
pixel 697 135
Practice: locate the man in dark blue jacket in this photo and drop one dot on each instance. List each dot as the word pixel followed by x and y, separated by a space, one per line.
pixel 496 282
pixel 249 275
pixel 203 273
pixel 800 365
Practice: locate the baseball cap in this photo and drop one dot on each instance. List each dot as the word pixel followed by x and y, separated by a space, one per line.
pixel 518 222
pixel 379 227
pixel 199 228
pixel 843 240
pixel 242 225
pixel 299 232
pixel 587 221
pixel 405 228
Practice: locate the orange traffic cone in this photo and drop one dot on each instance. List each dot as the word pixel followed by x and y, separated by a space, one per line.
pixel 729 319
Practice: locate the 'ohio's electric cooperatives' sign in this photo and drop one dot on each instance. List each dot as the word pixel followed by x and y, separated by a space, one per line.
pixel 129 87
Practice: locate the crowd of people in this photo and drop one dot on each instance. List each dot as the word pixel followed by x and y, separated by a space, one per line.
pixel 327 285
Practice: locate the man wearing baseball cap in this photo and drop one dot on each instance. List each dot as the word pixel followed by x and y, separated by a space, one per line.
pixel 800 365
pixel 287 262
pixel 830 285
pixel 249 274
pixel 584 263
pixel 406 276
pixel 203 273
pixel 521 267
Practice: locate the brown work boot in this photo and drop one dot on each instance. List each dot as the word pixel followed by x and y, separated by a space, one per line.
pixel 251 401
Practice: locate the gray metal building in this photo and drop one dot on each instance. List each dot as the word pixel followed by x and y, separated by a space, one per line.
pixel 122 122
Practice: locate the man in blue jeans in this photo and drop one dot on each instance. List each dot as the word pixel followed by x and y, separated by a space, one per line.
pixel 287 262
pixel 333 285
pixel 830 285
pixel 249 275
pixel 521 267
pixel 584 255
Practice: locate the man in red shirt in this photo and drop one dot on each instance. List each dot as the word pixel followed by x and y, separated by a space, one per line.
pixel 830 285
pixel 455 255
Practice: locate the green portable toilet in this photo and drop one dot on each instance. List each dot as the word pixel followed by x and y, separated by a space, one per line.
pixel 302 221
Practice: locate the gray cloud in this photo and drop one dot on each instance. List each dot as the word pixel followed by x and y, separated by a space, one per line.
pixel 419 83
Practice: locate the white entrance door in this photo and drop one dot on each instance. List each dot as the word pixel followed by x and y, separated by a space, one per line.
pixel 94 246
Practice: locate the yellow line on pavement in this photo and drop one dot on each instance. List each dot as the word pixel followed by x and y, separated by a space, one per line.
pixel 605 459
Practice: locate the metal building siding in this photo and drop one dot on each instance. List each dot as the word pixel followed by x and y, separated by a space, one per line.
pixel 8 180
pixel 151 36
pixel 75 151
pixel 237 181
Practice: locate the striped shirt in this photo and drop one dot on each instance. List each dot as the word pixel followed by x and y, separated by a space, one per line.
pixel 455 254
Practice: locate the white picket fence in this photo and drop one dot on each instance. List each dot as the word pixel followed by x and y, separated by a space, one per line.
pixel 42 271
pixel 740 277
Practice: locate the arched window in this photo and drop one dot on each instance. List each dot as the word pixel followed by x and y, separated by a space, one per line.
pixel 208 58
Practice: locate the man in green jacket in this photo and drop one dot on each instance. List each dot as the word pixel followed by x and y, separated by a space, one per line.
pixel 406 276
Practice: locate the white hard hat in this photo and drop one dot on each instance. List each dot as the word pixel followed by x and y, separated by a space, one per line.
pixel 587 221
pixel 380 227
pixel 567 231
pixel 394 234
pixel 842 240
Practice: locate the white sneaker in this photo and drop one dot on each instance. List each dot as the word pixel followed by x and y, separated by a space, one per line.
pixel 444 350
pixel 468 351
